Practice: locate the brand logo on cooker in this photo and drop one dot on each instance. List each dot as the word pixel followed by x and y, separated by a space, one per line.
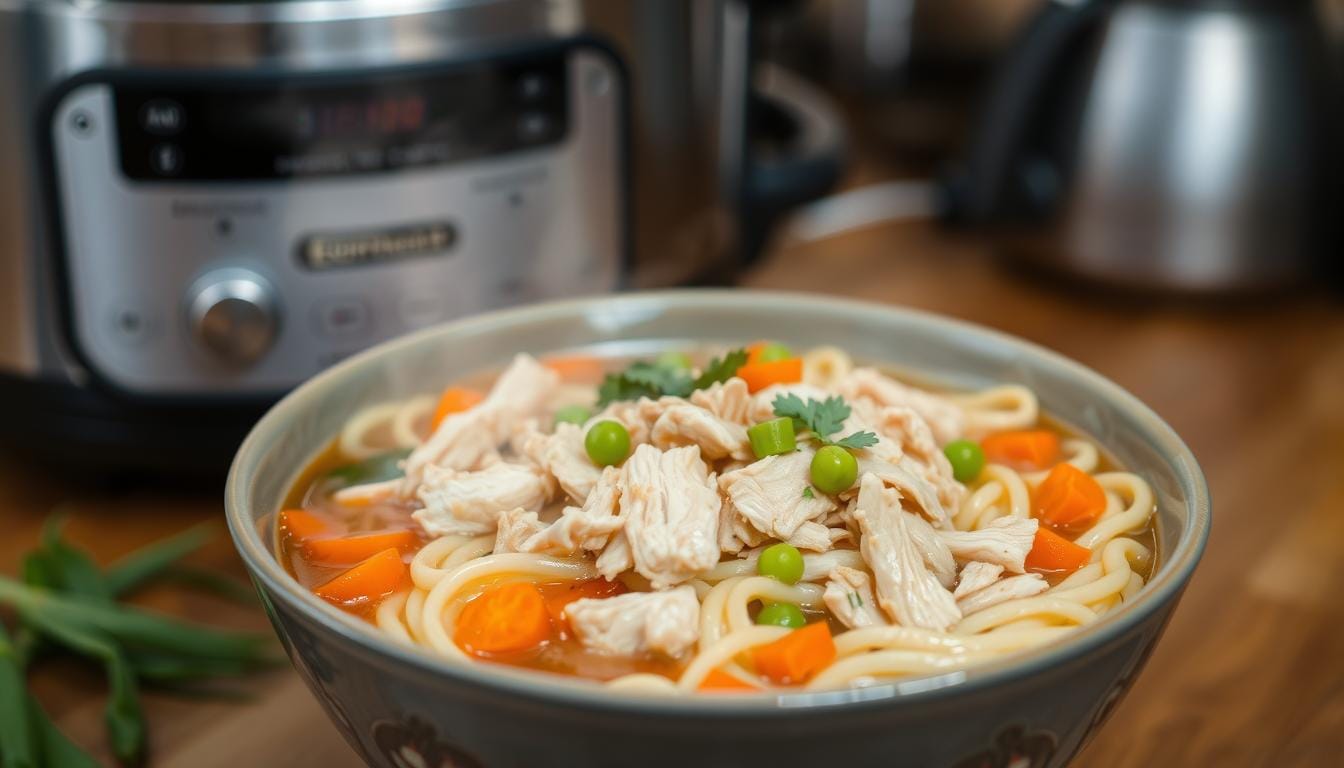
pixel 346 249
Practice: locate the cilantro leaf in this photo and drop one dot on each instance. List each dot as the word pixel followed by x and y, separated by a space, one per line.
pixel 857 440
pixel 823 419
pixel 721 369
pixel 807 492
pixel 643 380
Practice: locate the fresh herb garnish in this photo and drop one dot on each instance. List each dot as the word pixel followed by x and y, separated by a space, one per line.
pixel 823 418
pixel 643 379
pixel 65 601
pixel 807 492
pixel 721 369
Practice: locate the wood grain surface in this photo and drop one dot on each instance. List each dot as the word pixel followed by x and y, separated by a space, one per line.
pixel 1250 672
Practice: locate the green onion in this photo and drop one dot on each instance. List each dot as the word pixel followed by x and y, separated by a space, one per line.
pixel 16 742
pixel 770 438
pixel 375 469
pixel 125 721
pixel 144 564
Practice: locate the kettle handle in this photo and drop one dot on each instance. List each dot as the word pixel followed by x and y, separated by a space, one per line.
pixel 976 191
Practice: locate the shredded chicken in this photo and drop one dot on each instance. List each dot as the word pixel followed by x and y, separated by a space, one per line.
pixel 908 592
pixel 849 595
pixel 562 455
pixel 1011 588
pixel 671 509
pixel 616 558
pixel 637 416
pixel 913 488
pixel 515 527
pixel 470 439
pixel 469 503
pixel 1005 541
pixel 903 432
pixel 937 557
pixel 637 623
pixel 728 400
pixel 976 575
pixel 943 416
pixel 587 527
pixel 692 425
pixel 773 495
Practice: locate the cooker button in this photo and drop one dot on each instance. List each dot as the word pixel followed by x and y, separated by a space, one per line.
pixel 233 315
pixel 533 86
pixel 131 325
pixel 166 159
pixel 534 126
pixel 162 117
pixel 342 317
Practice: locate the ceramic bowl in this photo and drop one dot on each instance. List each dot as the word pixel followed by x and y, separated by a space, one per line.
pixel 403 707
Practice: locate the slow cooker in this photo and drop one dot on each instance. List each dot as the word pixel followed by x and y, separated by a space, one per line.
pixel 204 204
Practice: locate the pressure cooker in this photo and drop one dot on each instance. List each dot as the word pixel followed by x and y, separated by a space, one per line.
pixel 206 203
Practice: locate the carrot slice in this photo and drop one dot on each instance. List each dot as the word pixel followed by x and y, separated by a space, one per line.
pixel 454 400
pixel 345 550
pixel 560 595
pixel 1069 498
pixel 797 656
pixel 582 369
pixel 504 619
pixel 370 581
pixel 301 525
pixel 1022 449
pixel 761 375
pixel 1053 553
pixel 718 680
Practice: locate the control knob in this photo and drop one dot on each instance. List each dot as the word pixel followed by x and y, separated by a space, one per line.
pixel 233 314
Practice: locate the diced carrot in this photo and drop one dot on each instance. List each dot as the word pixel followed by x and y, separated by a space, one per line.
pixel 1053 553
pixel 370 581
pixel 754 351
pixel 301 525
pixel 718 680
pixel 454 400
pixel 1069 498
pixel 507 618
pixel 560 595
pixel 1022 449
pixel 761 375
pixel 345 550
pixel 797 656
pixel 581 369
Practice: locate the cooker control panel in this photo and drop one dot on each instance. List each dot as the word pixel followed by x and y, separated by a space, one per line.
pixel 226 235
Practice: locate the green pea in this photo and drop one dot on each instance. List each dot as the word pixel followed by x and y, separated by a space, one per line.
pixel 781 615
pixel 772 352
pixel 674 361
pixel 834 469
pixel 573 414
pixel 607 443
pixel 772 437
pixel 782 562
pixel 967 459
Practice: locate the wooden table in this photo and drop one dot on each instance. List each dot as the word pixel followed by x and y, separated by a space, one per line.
pixel 1251 671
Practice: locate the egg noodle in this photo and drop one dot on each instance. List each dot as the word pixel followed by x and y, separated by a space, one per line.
pixel 449 570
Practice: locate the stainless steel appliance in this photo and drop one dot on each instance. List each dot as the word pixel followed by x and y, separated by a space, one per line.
pixel 1184 145
pixel 206 203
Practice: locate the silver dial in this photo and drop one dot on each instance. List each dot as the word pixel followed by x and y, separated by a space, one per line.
pixel 233 314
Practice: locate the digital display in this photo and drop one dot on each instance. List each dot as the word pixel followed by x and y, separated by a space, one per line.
pixel 288 127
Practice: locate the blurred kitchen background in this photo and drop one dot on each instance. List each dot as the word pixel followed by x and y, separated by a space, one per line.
pixel 206 203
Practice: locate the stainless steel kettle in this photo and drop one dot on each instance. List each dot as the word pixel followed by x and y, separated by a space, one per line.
pixel 1183 145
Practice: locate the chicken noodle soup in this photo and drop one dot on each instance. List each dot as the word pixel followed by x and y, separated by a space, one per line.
pixel 733 523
